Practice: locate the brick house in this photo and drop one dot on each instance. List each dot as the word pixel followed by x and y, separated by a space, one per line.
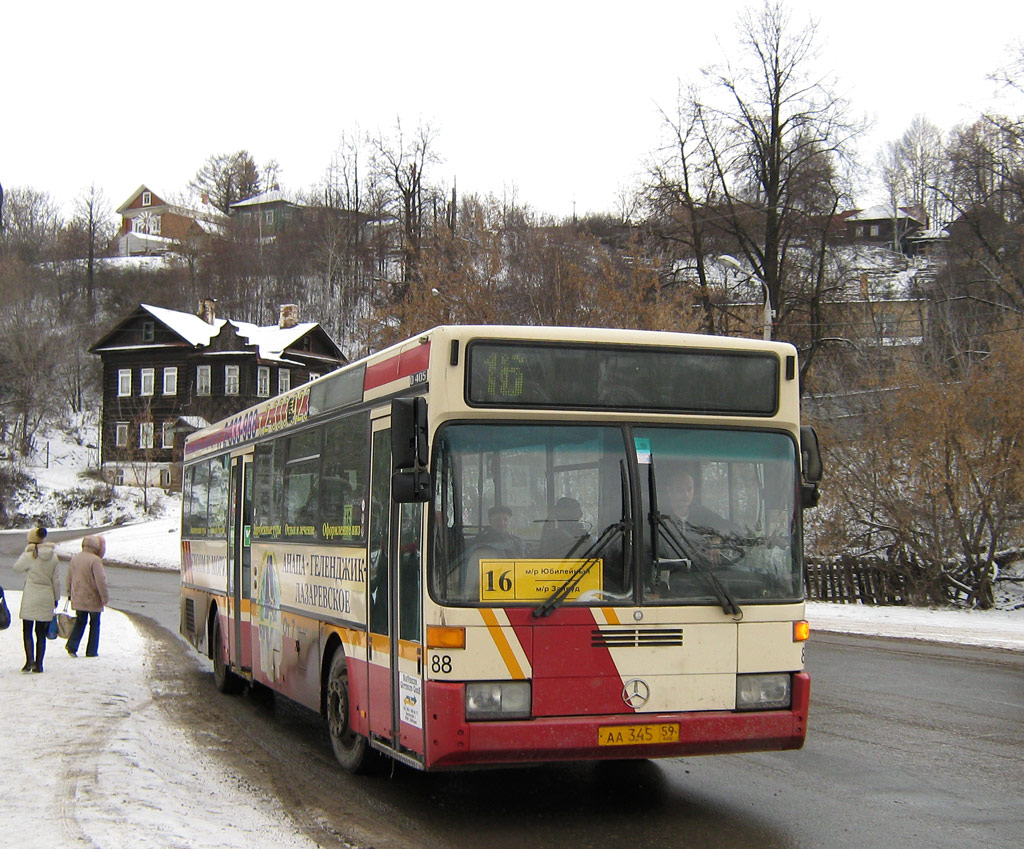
pixel 167 373
pixel 151 225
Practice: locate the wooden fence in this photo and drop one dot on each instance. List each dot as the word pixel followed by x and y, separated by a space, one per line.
pixel 852 581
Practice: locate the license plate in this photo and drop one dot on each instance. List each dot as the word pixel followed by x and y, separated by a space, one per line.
pixel 637 735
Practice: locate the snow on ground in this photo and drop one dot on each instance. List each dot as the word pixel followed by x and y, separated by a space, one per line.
pixel 95 762
pixel 92 760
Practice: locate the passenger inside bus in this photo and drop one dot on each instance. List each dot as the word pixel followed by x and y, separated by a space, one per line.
pixel 498 534
pixel 564 531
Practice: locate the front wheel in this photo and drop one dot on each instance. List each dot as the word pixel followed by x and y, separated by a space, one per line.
pixel 350 748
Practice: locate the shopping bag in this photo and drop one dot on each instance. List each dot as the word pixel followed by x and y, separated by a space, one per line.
pixel 65 622
pixel 51 632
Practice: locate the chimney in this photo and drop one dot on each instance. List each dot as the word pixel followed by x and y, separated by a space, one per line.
pixel 207 310
pixel 289 315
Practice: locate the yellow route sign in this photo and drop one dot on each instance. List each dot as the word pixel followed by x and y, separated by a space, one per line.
pixel 535 580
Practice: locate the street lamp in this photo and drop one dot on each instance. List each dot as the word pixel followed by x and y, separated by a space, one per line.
pixel 766 316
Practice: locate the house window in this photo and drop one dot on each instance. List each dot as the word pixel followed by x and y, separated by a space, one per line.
pixel 121 435
pixel 148 331
pixel 268 217
pixel 167 435
pixel 171 380
pixel 263 381
pixel 147 199
pixel 284 380
pixel 154 225
pixel 165 478
pixel 202 380
pixel 230 380
pixel 119 477
pixel 148 379
pixel 874 230
pixel 146 430
pixel 859 232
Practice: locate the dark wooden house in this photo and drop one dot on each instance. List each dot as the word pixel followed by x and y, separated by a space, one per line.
pixel 167 373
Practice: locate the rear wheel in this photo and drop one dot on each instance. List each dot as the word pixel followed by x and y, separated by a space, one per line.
pixel 223 677
pixel 350 749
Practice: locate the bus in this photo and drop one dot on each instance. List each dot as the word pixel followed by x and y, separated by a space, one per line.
pixel 493 545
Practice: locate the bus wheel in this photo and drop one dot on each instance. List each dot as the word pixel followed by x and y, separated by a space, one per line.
pixel 224 678
pixel 350 748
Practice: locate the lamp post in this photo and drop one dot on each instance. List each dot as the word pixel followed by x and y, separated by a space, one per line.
pixel 766 315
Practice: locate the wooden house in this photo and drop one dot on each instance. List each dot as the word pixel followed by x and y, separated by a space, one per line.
pixel 167 373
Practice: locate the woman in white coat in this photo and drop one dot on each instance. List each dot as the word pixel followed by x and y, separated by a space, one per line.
pixel 42 589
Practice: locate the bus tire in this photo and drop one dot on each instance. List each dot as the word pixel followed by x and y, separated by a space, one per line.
pixel 350 748
pixel 226 680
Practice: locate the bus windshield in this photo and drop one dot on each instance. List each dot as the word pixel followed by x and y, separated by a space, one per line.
pixel 612 514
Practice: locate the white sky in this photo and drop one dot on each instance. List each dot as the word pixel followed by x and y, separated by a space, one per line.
pixel 555 101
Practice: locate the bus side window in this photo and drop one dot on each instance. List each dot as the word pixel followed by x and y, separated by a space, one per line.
pixel 343 479
pixel 380 501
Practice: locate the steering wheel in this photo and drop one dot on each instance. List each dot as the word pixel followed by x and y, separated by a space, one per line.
pixel 710 550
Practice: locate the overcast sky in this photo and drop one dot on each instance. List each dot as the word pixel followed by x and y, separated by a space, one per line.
pixel 556 102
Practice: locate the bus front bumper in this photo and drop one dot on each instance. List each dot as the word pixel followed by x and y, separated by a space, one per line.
pixel 454 742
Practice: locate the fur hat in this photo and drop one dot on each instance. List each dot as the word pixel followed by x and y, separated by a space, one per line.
pixel 37 535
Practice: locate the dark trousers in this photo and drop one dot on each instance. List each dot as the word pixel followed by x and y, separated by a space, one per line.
pixel 92 648
pixel 34 654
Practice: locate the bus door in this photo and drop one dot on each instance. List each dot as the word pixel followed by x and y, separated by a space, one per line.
pixel 394 646
pixel 240 560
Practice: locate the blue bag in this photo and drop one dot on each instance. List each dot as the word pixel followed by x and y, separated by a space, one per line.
pixel 5 613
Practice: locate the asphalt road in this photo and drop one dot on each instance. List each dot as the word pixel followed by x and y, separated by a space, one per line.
pixel 909 744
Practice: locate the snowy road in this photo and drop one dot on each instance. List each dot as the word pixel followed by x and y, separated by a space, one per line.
pixel 916 745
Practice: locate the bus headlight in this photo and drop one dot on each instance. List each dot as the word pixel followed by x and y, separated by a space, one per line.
pixel 498 700
pixel 763 692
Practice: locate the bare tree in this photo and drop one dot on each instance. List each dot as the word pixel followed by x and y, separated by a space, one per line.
pixel 92 219
pixel 913 169
pixel 400 162
pixel 776 139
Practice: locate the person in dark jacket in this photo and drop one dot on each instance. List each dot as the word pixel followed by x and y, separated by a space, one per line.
pixel 87 589
pixel 42 589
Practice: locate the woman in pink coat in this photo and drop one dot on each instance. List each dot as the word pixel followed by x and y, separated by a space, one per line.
pixel 87 589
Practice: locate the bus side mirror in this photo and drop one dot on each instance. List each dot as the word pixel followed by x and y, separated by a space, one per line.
pixel 810 462
pixel 410 487
pixel 410 482
pixel 408 433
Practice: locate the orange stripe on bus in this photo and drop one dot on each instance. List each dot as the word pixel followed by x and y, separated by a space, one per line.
pixel 498 635
pixel 610 615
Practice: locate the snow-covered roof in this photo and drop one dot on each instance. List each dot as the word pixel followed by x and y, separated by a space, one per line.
pixel 273 196
pixel 190 327
pixel 271 341
pixel 880 212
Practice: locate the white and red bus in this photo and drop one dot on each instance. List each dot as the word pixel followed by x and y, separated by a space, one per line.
pixel 493 545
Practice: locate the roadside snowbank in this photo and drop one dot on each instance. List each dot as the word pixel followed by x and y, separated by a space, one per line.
pixel 93 761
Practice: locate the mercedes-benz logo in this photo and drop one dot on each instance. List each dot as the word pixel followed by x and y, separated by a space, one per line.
pixel 635 693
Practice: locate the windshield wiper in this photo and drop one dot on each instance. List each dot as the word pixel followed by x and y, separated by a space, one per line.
pixel 618 528
pixel 669 528
pixel 589 559
pixel 676 537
